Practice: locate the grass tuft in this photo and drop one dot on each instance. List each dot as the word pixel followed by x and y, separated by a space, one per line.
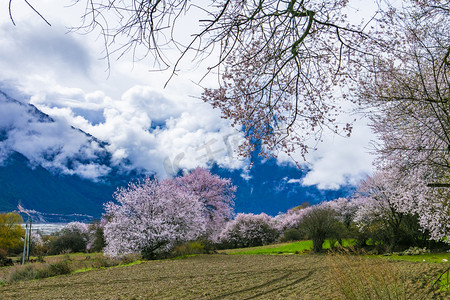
pixel 359 278
pixel 38 271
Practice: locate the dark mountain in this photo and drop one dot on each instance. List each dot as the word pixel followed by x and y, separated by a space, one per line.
pixel 56 198
pixel 50 194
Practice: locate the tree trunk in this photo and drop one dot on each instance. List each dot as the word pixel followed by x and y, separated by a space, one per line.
pixel 317 245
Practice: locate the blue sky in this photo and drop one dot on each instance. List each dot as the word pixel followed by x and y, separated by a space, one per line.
pixel 161 130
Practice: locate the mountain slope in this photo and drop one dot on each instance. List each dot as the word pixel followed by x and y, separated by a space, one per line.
pixel 51 167
pixel 40 190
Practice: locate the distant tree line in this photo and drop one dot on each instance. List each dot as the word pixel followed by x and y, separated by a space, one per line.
pixel 193 213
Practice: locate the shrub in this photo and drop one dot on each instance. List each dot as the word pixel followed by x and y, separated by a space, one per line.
pixel 59 268
pixel 319 224
pixel 55 269
pixel 189 248
pixel 129 258
pixel 106 262
pixel 69 240
pixel 38 271
pixel 292 234
pixel 27 272
pixel 4 260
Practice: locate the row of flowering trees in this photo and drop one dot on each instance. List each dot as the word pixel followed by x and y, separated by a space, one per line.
pixel 151 217
pixel 385 213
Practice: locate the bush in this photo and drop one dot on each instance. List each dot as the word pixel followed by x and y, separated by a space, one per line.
pixel 189 248
pixel 68 241
pixel 38 271
pixel 395 234
pixel 4 260
pixel 55 269
pixel 292 234
pixel 106 262
pixel 319 224
pixel 22 273
pixel 103 261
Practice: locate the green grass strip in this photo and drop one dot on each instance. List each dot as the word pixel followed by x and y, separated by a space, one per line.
pixel 283 248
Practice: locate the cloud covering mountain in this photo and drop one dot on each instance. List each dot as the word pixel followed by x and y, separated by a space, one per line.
pixel 50 143
pixel 131 121
pixel 153 132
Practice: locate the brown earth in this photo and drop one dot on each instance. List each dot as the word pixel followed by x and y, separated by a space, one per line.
pixel 210 277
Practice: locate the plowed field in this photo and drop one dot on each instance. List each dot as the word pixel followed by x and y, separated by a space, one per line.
pixel 206 277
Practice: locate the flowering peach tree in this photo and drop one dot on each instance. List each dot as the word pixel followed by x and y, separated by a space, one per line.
pixel 149 217
pixel 216 196
pixel 248 230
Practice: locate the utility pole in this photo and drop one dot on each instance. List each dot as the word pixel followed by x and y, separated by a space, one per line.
pixel 27 242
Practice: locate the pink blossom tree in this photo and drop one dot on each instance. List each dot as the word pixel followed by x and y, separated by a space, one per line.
pixel 247 230
pixel 150 216
pixel 396 202
pixel 379 216
pixel 76 226
pixel 216 196
pixel 290 219
pixel 408 88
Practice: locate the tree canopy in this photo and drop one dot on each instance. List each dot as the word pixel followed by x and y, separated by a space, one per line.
pixel 285 66
pixel 11 231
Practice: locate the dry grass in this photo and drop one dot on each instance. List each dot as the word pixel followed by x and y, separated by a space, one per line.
pixel 61 264
pixel 211 277
pixel 358 277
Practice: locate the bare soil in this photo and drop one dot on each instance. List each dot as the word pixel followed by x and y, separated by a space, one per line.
pixel 208 277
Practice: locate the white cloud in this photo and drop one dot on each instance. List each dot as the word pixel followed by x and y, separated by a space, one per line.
pixel 292 180
pixel 341 160
pixel 124 107
pixel 37 48
pixel 152 131
pixel 49 143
